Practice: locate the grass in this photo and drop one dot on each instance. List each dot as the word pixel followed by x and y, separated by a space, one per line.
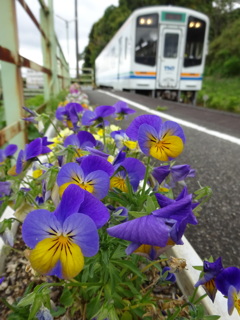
pixel 221 94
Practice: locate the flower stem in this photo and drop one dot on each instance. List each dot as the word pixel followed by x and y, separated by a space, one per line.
pixel 56 129
pixel 146 175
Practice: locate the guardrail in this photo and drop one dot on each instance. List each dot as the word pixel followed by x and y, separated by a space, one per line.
pixel 55 67
pixel 86 77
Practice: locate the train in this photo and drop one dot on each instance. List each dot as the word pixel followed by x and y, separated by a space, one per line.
pixel 160 50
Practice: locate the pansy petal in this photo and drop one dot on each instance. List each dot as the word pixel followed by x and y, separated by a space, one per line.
pixel 87 118
pixel 154 121
pixel 232 296
pixel 69 172
pixel 71 200
pixel 46 255
pixel 38 225
pixel 104 111
pixel 97 152
pixel 95 209
pixel 92 163
pixel 147 136
pixel 97 183
pixel 10 150
pixel 226 278
pixel 178 210
pixel 86 139
pixel 83 232
pixel 19 162
pixel 72 140
pixel 162 200
pixel 34 148
pixel 134 167
pixel 145 230
pixel 171 128
pixel 180 172
pixel 168 148
pixel 160 173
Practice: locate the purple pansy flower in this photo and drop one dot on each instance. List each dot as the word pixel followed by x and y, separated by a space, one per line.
pixel 7 152
pixel 70 114
pixel 210 272
pixel 163 141
pixel 93 175
pixel 81 141
pixel 170 276
pixel 59 240
pixel 90 117
pixel 179 219
pixel 122 110
pixel 122 140
pixel 32 117
pixel 162 228
pixel 133 168
pixel 32 150
pixel 177 173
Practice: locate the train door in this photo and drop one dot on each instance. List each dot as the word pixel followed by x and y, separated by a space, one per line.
pixel 169 52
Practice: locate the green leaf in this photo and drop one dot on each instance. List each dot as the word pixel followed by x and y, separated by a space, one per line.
pixel 137 214
pixel 211 317
pixel 59 312
pixel 93 306
pixel 52 178
pixel 150 205
pixel 66 298
pixel 37 303
pixel 27 300
pixel 200 268
pixel 129 265
pixel 126 316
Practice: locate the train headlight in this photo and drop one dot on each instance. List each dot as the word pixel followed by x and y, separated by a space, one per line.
pixel 142 21
pixel 149 21
pixel 191 24
pixel 198 25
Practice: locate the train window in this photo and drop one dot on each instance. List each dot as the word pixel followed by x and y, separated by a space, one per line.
pixel 146 39
pixel 195 41
pixel 171 45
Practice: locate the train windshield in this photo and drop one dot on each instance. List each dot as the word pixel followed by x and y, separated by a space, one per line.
pixel 146 39
pixel 195 42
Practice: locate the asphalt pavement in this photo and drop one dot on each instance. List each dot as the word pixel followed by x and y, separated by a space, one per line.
pixel 217 162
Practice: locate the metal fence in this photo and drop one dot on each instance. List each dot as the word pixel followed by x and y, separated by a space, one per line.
pixel 55 67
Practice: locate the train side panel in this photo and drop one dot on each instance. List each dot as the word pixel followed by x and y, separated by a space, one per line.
pixel 113 65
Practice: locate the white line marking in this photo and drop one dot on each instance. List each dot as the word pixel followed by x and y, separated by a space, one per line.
pixel 180 121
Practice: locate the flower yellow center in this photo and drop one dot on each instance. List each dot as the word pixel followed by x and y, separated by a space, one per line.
pixel 237 302
pixel 168 146
pixel 49 251
pixel 86 185
pixel 119 183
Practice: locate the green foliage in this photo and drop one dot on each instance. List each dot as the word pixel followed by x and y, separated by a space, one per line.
pixel 224 51
pixel 222 94
pixel 2 118
pixel 34 102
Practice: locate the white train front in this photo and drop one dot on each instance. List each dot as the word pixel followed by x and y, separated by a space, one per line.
pixel 161 49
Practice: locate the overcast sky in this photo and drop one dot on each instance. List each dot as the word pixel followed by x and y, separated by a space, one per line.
pixel 89 11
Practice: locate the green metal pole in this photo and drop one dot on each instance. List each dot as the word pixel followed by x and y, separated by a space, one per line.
pixel 11 73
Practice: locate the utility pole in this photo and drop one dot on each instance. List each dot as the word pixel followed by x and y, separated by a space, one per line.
pixel 67 32
pixel 76 37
